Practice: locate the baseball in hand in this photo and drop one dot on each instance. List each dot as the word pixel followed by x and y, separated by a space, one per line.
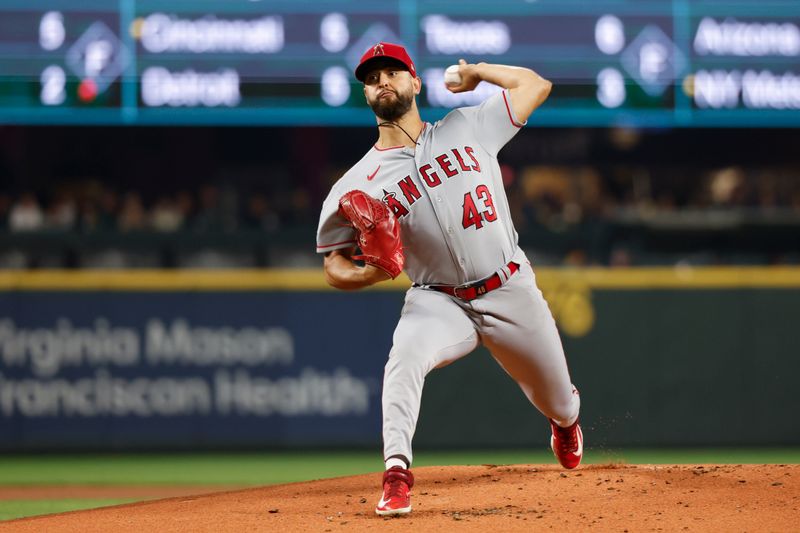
pixel 451 76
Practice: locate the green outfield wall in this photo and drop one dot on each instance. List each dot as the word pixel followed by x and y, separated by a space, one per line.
pixel 198 359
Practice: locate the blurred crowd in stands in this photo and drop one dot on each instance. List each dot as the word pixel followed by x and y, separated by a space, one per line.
pixel 549 203
pixel 553 197
pixel 89 207
pixel 209 197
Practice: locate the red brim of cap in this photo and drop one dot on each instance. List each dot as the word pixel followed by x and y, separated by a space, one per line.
pixel 363 68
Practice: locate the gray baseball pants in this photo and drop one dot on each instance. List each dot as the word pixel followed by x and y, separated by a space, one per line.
pixel 513 322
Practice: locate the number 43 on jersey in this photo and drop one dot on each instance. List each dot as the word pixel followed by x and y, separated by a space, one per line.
pixel 475 215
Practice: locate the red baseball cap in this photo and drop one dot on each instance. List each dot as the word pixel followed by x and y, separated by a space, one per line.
pixel 383 51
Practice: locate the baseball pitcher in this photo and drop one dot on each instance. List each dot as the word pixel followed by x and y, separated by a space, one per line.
pixel 429 199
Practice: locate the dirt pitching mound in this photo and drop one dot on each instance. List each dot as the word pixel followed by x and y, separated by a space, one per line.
pixel 478 498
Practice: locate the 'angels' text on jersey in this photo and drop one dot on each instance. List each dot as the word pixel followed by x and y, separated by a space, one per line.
pixel 430 178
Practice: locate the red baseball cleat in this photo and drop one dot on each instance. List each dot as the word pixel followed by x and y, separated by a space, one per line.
pixel 396 499
pixel 567 444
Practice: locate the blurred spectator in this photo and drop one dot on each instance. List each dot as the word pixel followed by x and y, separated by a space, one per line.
pixel 620 257
pixel 794 202
pixel 132 215
pixel 185 204
pixel 301 207
pixel 109 210
pixel 99 211
pixel 209 216
pixel 166 215
pixel 62 213
pixel 229 208
pixel 88 215
pixel 294 207
pixel 26 214
pixel 5 207
pixel 590 193
pixel 576 258
pixel 767 191
pixel 509 175
pixel 259 215
pixel 665 201
pixel 726 185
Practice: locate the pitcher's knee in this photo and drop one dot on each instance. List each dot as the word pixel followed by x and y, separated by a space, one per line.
pixel 563 410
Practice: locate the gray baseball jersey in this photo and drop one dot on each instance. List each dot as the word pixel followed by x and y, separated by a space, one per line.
pixel 447 194
pixel 456 228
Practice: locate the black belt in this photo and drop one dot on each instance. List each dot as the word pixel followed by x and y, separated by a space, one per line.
pixel 479 288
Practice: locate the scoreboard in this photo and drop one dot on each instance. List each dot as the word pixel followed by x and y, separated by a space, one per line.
pixel 649 63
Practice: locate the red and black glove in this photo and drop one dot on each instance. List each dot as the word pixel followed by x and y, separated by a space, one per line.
pixel 378 231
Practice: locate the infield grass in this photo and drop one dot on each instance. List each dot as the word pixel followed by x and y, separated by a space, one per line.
pixel 10 509
pixel 284 467
pixel 247 469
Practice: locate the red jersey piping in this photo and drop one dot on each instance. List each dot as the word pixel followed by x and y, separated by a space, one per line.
pixel 508 109
pixel 321 246
pixel 390 148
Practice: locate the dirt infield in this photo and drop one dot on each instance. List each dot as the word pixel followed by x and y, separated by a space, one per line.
pixel 478 498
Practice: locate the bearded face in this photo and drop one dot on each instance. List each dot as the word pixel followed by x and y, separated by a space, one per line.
pixel 391 104
pixel 389 89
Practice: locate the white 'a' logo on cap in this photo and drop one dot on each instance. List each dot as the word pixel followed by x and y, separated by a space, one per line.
pixel 378 50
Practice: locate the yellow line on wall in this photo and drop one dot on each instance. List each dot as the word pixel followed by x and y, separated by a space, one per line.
pixel 313 279
pixel 163 280
pixel 675 277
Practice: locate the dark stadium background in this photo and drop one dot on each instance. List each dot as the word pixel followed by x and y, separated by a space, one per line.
pixel 646 180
